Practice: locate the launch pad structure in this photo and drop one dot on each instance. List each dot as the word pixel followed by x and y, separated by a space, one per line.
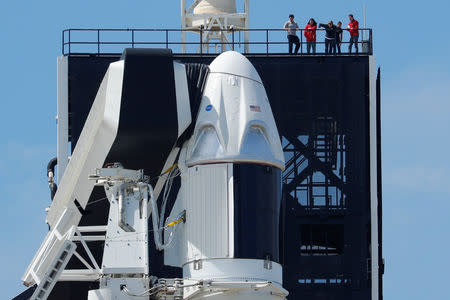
pixel 268 164
pixel 327 110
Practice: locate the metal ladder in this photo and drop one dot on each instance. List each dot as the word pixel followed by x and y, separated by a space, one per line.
pixel 50 278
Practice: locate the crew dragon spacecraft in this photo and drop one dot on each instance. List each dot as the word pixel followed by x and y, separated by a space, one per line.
pixel 147 126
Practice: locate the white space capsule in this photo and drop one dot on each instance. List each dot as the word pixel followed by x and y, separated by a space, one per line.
pixel 235 122
pixel 231 189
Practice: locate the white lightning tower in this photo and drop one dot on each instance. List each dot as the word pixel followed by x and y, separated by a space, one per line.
pixel 217 18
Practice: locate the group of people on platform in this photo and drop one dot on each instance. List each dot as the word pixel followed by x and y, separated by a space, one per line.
pixel 333 36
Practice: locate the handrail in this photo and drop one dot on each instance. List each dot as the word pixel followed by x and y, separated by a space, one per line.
pixel 72 44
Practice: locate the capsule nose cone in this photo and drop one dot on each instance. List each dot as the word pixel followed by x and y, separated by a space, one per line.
pixel 232 62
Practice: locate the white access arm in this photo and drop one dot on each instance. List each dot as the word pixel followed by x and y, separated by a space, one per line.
pixel 93 146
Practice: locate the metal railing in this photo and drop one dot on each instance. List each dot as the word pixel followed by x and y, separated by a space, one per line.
pixel 264 41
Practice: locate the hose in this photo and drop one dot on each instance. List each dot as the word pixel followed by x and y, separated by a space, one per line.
pixel 157 230
pixel 51 177
pixel 167 189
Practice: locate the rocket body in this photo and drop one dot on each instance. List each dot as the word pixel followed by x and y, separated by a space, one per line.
pixel 231 189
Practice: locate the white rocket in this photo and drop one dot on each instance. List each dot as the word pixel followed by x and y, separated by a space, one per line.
pixel 235 135
pixel 223 229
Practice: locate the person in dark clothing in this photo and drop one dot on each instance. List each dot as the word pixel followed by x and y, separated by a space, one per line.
pixel 291 27
pixel 330 37
pixel 339 36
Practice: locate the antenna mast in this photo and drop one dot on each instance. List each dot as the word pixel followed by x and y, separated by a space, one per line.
pixel 216 19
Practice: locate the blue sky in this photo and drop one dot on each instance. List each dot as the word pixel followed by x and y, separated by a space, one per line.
pixel 411 45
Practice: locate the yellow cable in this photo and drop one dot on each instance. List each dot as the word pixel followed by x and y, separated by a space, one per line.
pixel 170 169
pixel 171 224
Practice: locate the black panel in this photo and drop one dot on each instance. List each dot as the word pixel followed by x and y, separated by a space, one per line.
pixel 148 126
pixel 197 74
pixel 25 295
pixel 72 290
pixel 85 75
pixel 257 203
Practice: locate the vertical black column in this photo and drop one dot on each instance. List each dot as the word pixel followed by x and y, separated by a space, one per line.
pixel 257 202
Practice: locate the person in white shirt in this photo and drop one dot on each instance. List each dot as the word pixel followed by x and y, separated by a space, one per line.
pixel 291 27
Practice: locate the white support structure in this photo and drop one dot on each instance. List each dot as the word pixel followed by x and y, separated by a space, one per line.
pixel 62 117
pixel 126 244
pixel 93 146
pixel 50 261
pixel 247 26
pixel 125 258
pixel 215 19
pixel 374 254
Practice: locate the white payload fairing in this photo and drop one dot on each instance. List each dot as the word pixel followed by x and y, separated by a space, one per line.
pixel 223 228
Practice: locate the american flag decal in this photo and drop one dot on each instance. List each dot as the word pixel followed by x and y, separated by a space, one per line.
pixel 255 108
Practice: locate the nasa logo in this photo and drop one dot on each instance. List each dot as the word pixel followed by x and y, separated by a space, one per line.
pixel 209 107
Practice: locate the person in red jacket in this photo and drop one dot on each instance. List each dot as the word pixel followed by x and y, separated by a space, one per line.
pixel 310 35
pixel 353 27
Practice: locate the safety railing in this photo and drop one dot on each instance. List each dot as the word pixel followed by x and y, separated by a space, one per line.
pixel 263 41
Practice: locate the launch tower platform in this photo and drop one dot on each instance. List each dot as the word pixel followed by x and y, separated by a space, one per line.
pixel 327 109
